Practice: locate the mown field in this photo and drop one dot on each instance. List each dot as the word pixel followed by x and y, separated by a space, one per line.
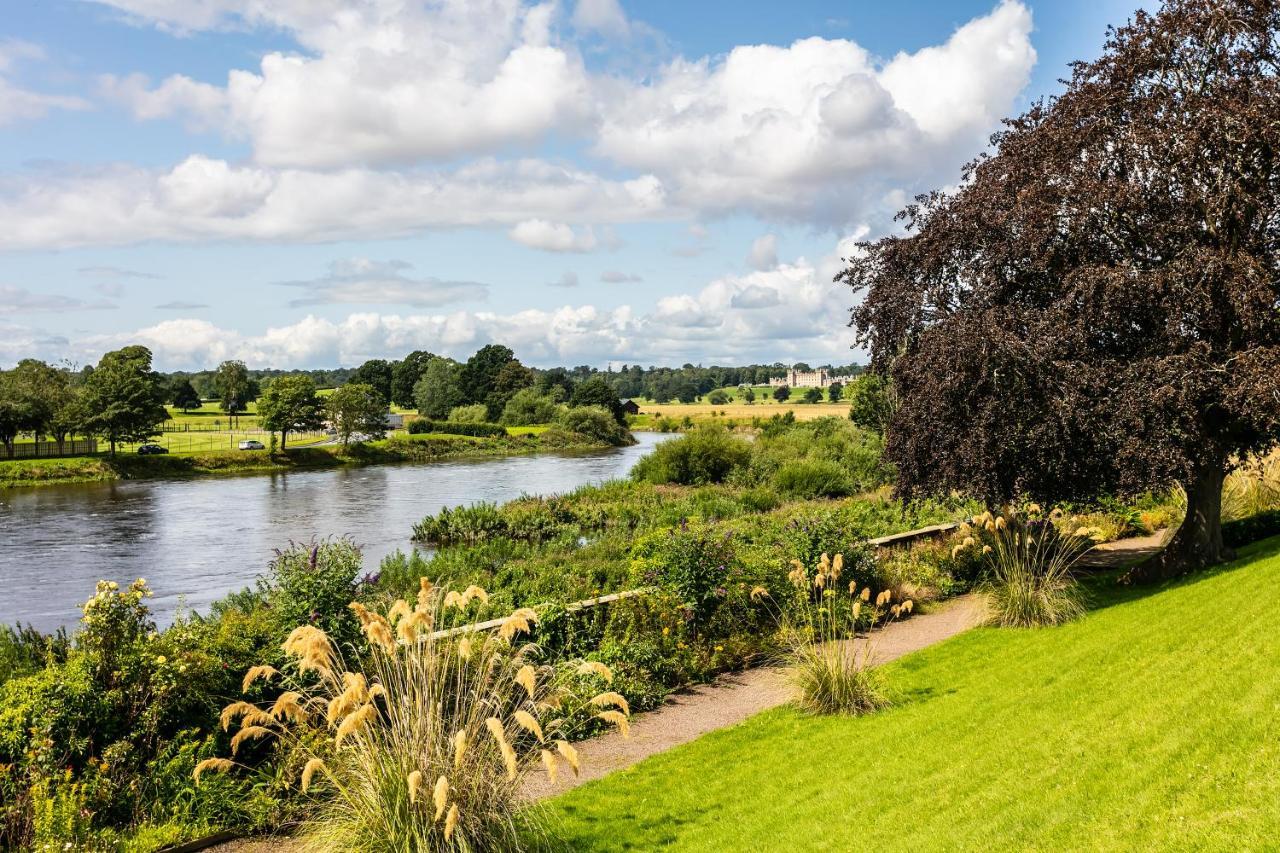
pixel 1150 724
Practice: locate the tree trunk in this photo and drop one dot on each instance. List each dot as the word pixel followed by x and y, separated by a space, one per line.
pixel 1197 543
pixel 283 437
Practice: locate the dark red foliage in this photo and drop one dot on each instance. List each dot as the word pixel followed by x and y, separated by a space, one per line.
pixel 1097 308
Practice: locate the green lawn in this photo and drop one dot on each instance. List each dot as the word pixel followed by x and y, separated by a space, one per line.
pixel 1154 723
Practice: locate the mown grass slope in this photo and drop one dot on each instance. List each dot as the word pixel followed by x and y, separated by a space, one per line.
pixel 1153 723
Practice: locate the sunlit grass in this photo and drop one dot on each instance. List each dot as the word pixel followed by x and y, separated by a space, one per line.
pixel 1149 724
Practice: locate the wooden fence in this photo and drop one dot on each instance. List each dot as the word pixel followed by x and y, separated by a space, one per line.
pixel 894 540
pixel 48 449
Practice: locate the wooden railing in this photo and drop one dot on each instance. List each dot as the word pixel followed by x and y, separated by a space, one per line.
pixel 890 541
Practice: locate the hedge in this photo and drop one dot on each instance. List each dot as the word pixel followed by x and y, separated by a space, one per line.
pixel 424 425
pixel 1251 529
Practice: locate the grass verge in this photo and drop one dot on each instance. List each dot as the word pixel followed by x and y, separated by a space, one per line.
pixel 1149 724
pixel 18 473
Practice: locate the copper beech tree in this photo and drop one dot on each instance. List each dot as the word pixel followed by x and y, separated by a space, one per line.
pixel 1096 309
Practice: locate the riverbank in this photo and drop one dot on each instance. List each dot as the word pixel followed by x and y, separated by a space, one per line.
pixel 431 447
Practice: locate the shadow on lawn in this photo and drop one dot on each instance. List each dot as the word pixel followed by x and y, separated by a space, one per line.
pixel 1104 590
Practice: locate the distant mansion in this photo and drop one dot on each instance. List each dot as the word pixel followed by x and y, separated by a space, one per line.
pixel 802 379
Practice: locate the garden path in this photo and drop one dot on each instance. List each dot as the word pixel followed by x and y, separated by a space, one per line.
pixel 734 697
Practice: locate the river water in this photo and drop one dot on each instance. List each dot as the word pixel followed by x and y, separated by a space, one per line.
pixel 196 540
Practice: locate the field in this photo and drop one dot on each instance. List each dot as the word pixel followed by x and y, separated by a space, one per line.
pixel 1150 724
pixel 764 406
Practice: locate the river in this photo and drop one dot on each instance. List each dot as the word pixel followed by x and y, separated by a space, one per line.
pixel 196 540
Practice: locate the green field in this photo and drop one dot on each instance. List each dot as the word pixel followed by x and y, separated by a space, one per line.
pixel 1151 724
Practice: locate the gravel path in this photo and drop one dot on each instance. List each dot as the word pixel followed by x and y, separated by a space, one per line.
pixel 732 698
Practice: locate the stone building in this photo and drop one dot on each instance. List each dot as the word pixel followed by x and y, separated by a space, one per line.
pixel 802 379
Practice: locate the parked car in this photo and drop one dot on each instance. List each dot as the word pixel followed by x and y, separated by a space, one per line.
pixel 150 449
pixel 252 444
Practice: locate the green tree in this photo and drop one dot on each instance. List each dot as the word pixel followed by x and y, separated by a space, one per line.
pixel 14 414
pixel 513 377
pixel 438 391
pixel 124 398
pixel 718 398
pixel 290 404
pixel 782 393
pixel 835 391
pixel 527 406
pixel 556 384
pixel 1093 309
pixel 749 395
pixel 182 394
pixel 236 389
pixel 377 373
pixel 870 402
pixel 597 392
pixel 357 408
pixel 405 375
pixel 479 374
pixel 813 395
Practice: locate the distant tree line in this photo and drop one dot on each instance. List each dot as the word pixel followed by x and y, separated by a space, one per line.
pixel 122 399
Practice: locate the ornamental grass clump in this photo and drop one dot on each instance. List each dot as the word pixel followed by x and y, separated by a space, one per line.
pixel 832 668
pixel 1029 582
pixel 426 746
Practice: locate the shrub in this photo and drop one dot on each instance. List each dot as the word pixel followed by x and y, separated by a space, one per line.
pixel 429 744
pixel 313 583
pixel 422 426
pixel 692 563
pixel 25 650
pixel 813 479
pixel 1238 533
pixel 708 454
pixel 1029 581
pixel 831 669
pixel 476 413
pixel 463 524
pixel 527 406
pixel 596 424
pixel 718 398
pixel 813 395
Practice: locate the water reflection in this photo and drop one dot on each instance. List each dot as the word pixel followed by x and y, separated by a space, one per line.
pixel 196 540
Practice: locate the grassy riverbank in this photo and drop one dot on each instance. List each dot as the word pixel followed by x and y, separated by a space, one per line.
pixel 20 473
pixel 1149 724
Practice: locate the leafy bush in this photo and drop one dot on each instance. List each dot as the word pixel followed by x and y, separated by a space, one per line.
pixel 422 426
pixel 694 563
pixel 312 584
pixel 527 406
pixel 813 479
pixel 477 413
pixel 708 454
pixel 464 524
pixel 595 423
pixel 1238 533
pixel 25 650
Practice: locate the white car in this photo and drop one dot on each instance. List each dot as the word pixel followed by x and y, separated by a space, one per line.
pixel 252 444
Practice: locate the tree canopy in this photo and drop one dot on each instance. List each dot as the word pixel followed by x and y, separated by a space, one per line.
pixel 405 374
pixel 236 389
pixel 378 374
pixel 123 397
pixel 290 404
pixel 1094 310
pixel 357 408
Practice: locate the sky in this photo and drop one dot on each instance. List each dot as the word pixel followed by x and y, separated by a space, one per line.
pixel 312 183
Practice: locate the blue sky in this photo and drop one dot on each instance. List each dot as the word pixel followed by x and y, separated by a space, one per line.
pixel 315 182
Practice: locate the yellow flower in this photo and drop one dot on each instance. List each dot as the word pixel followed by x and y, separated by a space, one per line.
pixel 161 659
pixel 666 632
pixel 719 648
